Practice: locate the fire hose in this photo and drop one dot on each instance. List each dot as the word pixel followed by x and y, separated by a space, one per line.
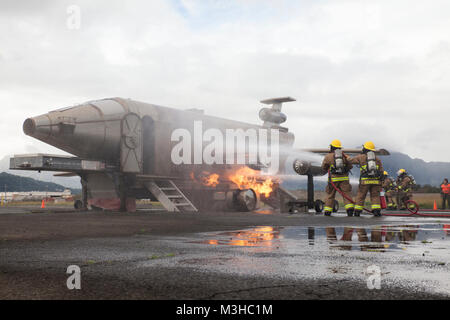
pixel 342 193
pixel 411 213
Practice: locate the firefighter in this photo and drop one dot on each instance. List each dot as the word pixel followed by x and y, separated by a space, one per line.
pixel 371 170
pixel 389 190
pixel 337 163
pixel 445 193
pixel 405 182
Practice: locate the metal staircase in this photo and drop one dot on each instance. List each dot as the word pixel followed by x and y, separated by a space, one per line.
pixel 170 196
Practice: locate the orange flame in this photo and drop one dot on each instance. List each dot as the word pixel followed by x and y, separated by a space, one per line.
pixel 211 181
pixel 246 178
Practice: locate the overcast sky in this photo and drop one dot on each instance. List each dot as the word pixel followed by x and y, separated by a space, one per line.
pixel 377 70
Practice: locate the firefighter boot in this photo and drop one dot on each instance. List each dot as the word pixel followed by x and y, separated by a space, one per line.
pixel 350 212
pixel 357 213
pixel 377 212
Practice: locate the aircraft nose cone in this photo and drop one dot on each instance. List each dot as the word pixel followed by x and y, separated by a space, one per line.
pixel 29 127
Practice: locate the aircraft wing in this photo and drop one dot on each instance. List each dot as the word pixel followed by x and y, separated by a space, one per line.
pixel 66 174
pixel 380 152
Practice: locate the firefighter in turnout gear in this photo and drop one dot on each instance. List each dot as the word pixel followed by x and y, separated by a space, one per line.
pixel 405 182
pixel 338 165
pixel 371 170
pixel 389 187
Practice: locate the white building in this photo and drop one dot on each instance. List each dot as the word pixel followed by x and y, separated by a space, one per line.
pixel 34 195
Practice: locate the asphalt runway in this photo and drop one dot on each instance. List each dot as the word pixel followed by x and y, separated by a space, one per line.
pixel 265 255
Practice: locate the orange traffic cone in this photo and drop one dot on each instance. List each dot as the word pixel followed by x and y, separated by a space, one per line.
pixel 435 205
pixel 43 204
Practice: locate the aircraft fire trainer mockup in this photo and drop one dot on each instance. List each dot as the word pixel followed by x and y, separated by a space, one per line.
pixel 123 150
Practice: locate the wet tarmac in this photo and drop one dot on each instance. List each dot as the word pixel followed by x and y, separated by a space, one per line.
pixel 409 256
pixel 158 255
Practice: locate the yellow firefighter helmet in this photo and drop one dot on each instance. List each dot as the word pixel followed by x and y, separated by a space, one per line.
pixel 369 145
pixel 401 171
pixel 386 173
pixel 336 143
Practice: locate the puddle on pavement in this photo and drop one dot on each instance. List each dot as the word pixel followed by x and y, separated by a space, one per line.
pixel 409 256
pixel 374 239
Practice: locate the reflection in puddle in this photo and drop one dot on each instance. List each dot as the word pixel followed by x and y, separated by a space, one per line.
pixel 447 229
pixel 256 237
pixel 380 238
pixel 375 239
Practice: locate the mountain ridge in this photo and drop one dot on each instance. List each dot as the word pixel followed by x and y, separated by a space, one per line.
pixel 14 183
pixel 432 173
